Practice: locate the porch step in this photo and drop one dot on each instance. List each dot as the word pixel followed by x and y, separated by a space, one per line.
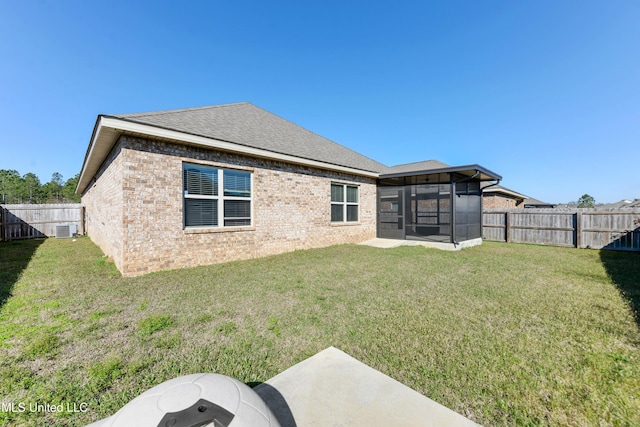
pixel 394 243
pixel 334 389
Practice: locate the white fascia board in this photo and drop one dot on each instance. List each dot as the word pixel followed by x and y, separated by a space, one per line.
pixel 505 191
pixel 89 155
pixel 126 126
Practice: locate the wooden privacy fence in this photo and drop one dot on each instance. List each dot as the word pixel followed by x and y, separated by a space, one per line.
pixel 33 221
pixel 578 228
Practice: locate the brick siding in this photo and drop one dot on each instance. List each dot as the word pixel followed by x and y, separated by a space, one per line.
pixel 134 209
pixel 493 201
pixel 103 201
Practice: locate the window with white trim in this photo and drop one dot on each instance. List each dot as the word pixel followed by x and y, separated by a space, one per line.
pixel 215 197
pixel 344 202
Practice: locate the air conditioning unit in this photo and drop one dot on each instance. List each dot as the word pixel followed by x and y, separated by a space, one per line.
pixel 65 231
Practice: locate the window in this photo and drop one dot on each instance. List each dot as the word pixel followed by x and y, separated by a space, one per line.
pixel 216 197
pixel 344 203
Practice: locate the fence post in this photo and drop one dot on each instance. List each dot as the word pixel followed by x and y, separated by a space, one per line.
pixel 507 230
pixel 3 224
pixel 83 213
pixel 578 226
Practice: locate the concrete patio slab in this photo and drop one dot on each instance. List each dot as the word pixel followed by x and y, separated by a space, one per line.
pixel 394 243
pixel 334 389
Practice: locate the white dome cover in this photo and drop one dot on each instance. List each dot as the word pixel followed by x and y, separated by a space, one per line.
pixel 241 406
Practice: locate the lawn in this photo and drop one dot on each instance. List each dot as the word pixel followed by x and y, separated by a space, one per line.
pixel 504 334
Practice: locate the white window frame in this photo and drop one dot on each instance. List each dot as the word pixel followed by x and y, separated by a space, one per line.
pixel 220 198
pixel 345 204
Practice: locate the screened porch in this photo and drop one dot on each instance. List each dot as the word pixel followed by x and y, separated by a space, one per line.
pixel 441 205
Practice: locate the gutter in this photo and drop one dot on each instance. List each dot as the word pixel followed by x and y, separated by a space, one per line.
pixel 492 185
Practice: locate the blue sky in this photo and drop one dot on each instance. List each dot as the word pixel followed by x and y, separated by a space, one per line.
pixel 545 93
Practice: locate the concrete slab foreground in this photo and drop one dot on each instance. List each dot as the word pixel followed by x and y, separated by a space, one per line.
pixel 334 389
pixel 393 243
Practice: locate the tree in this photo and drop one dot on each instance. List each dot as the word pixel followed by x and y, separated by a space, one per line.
pixel 53 189
pixel 31 189
pixel 10 186
pixel 586 201
pixel 69 189
pixel 16 189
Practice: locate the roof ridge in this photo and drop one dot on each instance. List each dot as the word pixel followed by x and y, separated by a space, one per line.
pixel 179 110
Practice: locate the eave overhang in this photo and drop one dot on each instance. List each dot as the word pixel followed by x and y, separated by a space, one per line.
pixel 505 192
pixel 108 129
pixel 481 173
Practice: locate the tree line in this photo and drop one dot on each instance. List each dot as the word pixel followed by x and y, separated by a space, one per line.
pixel 27 188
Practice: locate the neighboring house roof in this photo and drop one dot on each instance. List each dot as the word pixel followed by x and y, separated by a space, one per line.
pixel 622 204
pixel 504 191
pixel 526 201
pixel 530 202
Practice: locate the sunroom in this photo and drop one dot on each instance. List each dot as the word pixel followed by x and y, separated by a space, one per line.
pixel 442 205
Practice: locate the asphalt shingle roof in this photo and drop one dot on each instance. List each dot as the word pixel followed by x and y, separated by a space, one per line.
pixel 415 167
pixel 251 126
pixel 623 204
pixel 530 201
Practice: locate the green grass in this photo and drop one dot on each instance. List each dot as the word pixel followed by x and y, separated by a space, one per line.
pixel 152 324
pixel 504 334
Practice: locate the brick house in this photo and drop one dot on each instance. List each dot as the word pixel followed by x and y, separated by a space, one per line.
pixel 497 196
pixel 182 188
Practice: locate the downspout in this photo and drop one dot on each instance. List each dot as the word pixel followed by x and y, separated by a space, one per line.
pixel 488 186
pixel 482 206
pixel 482 191
pixel 452 196
pixel 453 204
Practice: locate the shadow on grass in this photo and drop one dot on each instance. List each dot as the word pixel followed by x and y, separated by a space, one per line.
pixel 14 258
pixel 276 402
pixel 624 270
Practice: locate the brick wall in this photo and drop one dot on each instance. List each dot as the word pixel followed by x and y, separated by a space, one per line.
pixel 291 207
pixel 104 206
pixel 493 201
